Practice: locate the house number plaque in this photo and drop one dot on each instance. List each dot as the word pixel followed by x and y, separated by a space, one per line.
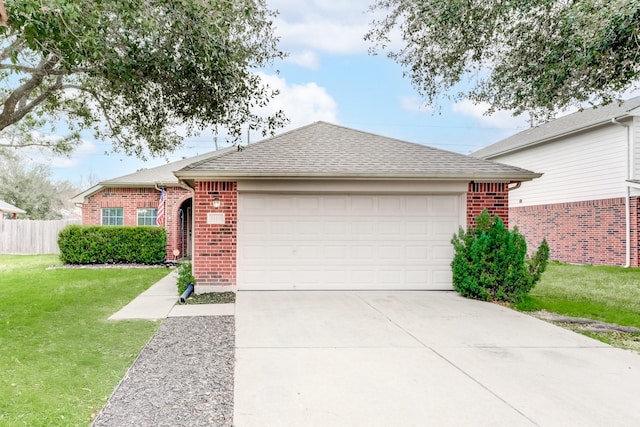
pixel 215 218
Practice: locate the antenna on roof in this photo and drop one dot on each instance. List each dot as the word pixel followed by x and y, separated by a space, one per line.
pixel 248 136
pixel 215 141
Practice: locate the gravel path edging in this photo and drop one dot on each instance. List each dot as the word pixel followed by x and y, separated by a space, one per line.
pixel 182 377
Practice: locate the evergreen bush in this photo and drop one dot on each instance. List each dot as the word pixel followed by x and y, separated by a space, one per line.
pixel 490 261
pixel 94 244
pixel 185 277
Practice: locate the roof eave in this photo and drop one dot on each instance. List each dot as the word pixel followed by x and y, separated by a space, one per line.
pixel 557 136
pixel 190 176
pixel 84 196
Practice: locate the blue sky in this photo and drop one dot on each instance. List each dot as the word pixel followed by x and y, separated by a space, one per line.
pixel 328 76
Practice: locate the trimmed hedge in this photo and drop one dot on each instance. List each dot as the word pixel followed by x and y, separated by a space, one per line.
pixel 94 244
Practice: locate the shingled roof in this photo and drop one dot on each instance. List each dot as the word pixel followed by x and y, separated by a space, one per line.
pixel 159 175
pixel 324 150
pixel 9 208
pixel 566 125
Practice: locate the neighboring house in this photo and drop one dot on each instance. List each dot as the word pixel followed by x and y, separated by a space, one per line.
pixel 134 200
pixel 7 209
pixel 319 207
pixel 586 202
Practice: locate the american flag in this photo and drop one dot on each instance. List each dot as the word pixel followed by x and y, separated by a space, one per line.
pixel 160 216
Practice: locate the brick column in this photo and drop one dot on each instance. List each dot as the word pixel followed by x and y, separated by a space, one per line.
pixel 493 196
pixel 214 257
pixel 634 203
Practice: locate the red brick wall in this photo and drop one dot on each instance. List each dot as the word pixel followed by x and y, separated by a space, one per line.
pixel 214 257
pixel 493 196
pixel 588 232
pixel 131 199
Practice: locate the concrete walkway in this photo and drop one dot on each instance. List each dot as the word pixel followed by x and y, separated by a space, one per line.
pixel 420 359
pixel 158 302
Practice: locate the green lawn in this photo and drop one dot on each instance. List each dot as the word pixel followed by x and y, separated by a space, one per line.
pixel 60 359
pixel 608 294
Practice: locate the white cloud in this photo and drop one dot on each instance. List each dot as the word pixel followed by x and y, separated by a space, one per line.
pixel 301 103
pixel 327 26
pixel 305 59
pixel 44 156
pixel 500 119
pixel 80 152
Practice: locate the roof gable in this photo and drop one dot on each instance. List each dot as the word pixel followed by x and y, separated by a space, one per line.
pixel 571 123
pixel 159 175
pixel 9 208
pixel 330 151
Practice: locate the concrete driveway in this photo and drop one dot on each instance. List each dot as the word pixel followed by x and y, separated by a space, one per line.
pixel 420 359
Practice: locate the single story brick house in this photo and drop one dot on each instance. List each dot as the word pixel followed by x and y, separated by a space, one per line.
pixel 9 210
pixel 134 199
pixel 586 202
pixel 319 207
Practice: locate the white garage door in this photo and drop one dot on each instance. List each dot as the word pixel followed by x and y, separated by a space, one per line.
pixel 346 241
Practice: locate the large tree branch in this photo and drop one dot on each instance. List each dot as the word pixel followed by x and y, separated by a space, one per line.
pixel 25 108
pixel 9 114
pixel 17 45
pixel 26 144
pixel 31 70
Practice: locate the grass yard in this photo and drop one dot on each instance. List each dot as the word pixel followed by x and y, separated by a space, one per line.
pixel 60 359
pixel 607 294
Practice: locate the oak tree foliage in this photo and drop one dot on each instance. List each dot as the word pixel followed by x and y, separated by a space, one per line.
pixel 535 56
pixel 132 72
pixel 30 187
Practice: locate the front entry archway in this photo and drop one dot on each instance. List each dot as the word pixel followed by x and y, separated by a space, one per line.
pixel 185 227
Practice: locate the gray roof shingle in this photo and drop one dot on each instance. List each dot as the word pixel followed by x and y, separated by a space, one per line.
pixel 581 120
pixel 326 150
pixel 161 174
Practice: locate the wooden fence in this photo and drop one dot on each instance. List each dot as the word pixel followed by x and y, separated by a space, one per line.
pixel 23 236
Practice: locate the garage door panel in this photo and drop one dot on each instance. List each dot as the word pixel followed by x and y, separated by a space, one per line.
pixel 335 253
pixel 337 241
pixel 442 205
pixel 417 253
pixel 441 279
pixel 334 227
pixel 389 205
pixel 391 253
pixel 362 205
pixel 360 252
pixel 334 204
pixel 442 253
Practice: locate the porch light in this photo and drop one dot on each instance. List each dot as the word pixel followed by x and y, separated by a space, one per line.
pixel 216 203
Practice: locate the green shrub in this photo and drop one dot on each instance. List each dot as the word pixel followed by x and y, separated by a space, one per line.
pixel 185 276
pixel 80 244
pixel 490 261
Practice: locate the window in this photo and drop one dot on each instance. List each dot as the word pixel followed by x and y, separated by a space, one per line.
pixel 112 216
pixel 147 216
